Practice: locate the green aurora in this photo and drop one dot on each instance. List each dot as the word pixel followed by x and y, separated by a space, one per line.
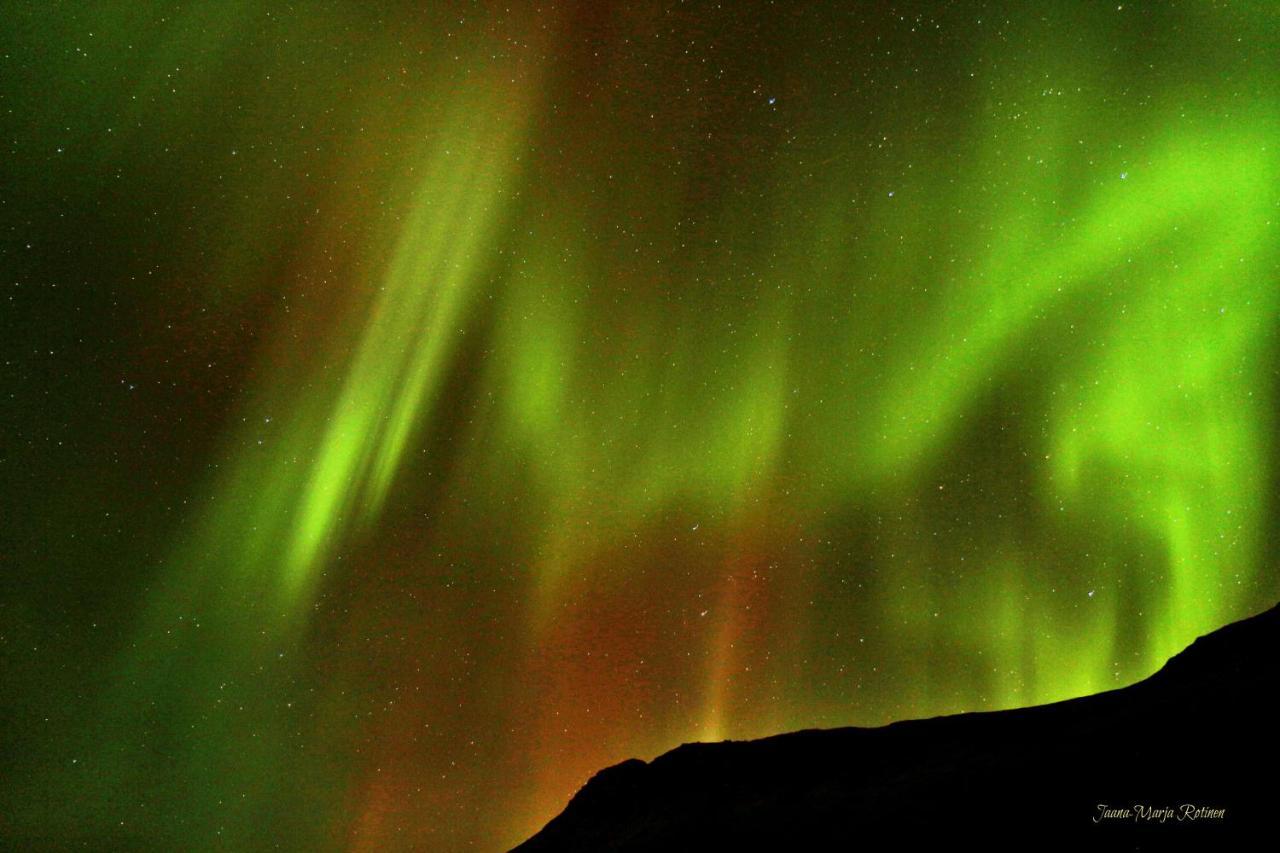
pixel 411 409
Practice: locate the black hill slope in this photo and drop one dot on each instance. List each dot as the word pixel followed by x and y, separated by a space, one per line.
pixel 1197 738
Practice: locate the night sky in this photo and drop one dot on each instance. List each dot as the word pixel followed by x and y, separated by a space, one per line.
pixel 411 408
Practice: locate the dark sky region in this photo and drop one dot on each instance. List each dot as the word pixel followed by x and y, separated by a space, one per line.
pixel 411 408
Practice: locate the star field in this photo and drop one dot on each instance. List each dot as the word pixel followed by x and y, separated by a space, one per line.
pixel 411 409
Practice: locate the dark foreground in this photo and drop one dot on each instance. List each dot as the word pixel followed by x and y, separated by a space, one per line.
pixel 1197 739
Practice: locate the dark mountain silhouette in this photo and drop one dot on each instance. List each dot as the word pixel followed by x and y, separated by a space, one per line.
pixel 1201 732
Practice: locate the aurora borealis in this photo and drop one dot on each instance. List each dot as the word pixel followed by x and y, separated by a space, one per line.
pixel 412 408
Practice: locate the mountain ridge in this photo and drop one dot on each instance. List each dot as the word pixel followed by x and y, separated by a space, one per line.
pixel 1185 736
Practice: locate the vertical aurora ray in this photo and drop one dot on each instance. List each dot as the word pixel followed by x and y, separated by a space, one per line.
pixel 421 307
pixel 457 401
